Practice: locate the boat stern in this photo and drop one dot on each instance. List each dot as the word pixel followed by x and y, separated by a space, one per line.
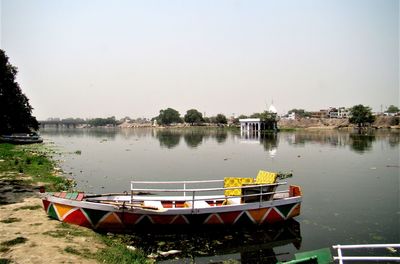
pixel 295 191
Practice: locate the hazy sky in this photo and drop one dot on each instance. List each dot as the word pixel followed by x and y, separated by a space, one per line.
pixel 132 58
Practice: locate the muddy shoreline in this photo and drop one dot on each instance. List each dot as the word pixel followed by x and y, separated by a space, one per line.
pixel 28 234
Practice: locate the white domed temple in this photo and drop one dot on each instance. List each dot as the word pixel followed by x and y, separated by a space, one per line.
pixel 256 124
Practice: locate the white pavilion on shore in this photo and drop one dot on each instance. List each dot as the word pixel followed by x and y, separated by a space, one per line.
pixel 255 124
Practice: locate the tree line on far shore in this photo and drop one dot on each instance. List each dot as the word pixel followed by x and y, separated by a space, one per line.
pixel 16 112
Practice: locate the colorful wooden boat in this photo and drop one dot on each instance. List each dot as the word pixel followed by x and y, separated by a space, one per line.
pixel 232 201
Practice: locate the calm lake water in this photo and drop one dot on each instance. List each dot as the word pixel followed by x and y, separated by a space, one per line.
pixel 350 183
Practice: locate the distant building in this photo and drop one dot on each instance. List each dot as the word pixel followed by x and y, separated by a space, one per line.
pixel 319 114
pixel 292 116
pixel 340 112
pixel 391 114
pixel 250 124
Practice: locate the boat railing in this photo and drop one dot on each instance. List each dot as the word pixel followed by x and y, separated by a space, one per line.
pixel 198 194
pixel 341 257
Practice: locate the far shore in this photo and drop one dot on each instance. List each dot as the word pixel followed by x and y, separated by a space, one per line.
pixel 381 122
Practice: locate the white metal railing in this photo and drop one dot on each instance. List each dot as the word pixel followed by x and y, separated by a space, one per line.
pixel 341 258
pixel 194 192
pixel 184 183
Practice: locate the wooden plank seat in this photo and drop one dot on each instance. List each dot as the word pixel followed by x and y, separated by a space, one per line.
pixel 153 204
pixel 196 204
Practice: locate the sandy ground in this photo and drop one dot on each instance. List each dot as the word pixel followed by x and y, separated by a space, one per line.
pixel 47 241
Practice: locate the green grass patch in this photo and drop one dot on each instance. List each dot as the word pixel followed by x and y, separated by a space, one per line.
pixel 5 261
pixel 11 220
pixel 4 249
pixel 83 252
pixel 68 231
pixel 116 251
pixel 28 207
pixel 72 250
pixel 13 242
pixel 32 160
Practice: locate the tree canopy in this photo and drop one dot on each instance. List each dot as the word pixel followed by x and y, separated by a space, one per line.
pixel 193 116
pixel 103 121
pixel 268 118
pixel 361 115
pixel 168 116
pixel 15 110
pixel 221 119
pixel 393 109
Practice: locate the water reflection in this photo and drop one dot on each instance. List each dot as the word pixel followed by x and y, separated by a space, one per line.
pixel 361 143
pixel 220 136
pixel 108 133
pixel 268 140
pixel 251 244
pixel 322 137
pixel 168 138
pixel 193 138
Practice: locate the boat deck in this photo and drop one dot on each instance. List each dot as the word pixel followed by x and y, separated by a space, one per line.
pixel 160 202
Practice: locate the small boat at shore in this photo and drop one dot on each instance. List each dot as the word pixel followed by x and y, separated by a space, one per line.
pixel 382 253
pixel 231 201
pixel 21 138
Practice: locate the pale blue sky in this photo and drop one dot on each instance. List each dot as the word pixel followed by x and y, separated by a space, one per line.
pixel 101 58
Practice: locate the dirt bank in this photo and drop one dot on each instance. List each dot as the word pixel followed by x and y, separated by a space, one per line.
pixel 333 123
pixel 29 236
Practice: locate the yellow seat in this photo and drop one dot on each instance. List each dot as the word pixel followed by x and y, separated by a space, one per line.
pixel 235 182
pixel 265 177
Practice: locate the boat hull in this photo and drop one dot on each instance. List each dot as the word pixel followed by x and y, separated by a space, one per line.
pixel 121 219
pixel 20 139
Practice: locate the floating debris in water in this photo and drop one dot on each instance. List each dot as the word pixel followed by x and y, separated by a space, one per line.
pixel 169 252
pixel 391 249
pixel 152 255
pixel 131 248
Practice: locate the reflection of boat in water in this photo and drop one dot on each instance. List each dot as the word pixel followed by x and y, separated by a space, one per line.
pixel 240 201
pixel 247 244
pixel 21 138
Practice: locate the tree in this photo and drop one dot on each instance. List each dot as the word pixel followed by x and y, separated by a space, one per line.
pixel 361 115
pixel 103 121
pixel 268 119
pixel 193 116
pixel 393 109
pixel 168 116
pixel 15 110
pixel 221 119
